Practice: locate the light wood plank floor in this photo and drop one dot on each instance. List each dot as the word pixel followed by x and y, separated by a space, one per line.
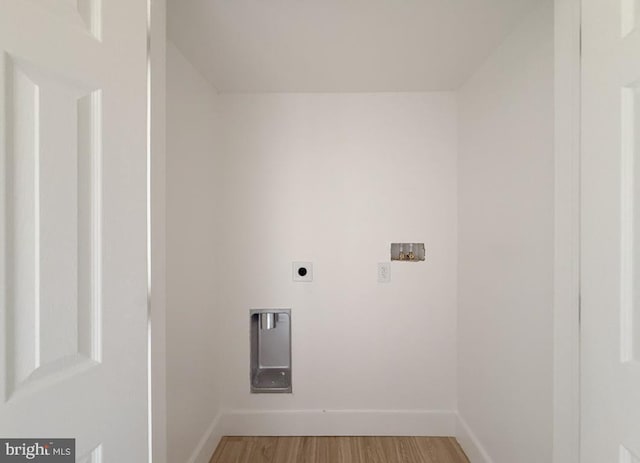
pixel 338 450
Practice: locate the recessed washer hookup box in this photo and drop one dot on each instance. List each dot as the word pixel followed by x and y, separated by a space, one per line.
pixel 270 363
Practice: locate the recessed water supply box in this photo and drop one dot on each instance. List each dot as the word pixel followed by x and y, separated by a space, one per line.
pixel 270 350
pixel 407 252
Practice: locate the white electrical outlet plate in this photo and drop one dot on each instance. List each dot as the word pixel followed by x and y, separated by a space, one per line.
pixel 303 272
pixel 384 272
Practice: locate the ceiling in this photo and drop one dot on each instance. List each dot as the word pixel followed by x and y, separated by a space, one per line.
pixel 340 45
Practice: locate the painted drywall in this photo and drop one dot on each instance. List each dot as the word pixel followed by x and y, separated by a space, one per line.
pixel 336 46
pixel 506 259
pixel 334 179
pixel 193 397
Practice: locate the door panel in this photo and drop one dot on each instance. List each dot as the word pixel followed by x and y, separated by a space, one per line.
pixel 53 134
pixel 610 232
pixel 73 277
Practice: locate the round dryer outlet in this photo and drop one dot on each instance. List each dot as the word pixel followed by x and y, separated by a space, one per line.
pixel 303 271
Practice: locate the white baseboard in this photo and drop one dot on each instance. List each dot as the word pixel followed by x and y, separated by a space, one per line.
pixel 470 443
pixel 339 423
pixel 208 443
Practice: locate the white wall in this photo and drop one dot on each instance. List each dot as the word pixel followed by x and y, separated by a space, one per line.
pixel 334 179
pixel 506 187
pixel 193 398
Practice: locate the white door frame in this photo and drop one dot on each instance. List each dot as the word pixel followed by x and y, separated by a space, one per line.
pixel 157 227
pixel 566 383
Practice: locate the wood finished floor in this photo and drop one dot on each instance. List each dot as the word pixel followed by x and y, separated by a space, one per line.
pixel 339 450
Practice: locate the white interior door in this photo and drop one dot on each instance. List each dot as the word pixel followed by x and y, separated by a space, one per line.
pixel 610 253
pixel 73 292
